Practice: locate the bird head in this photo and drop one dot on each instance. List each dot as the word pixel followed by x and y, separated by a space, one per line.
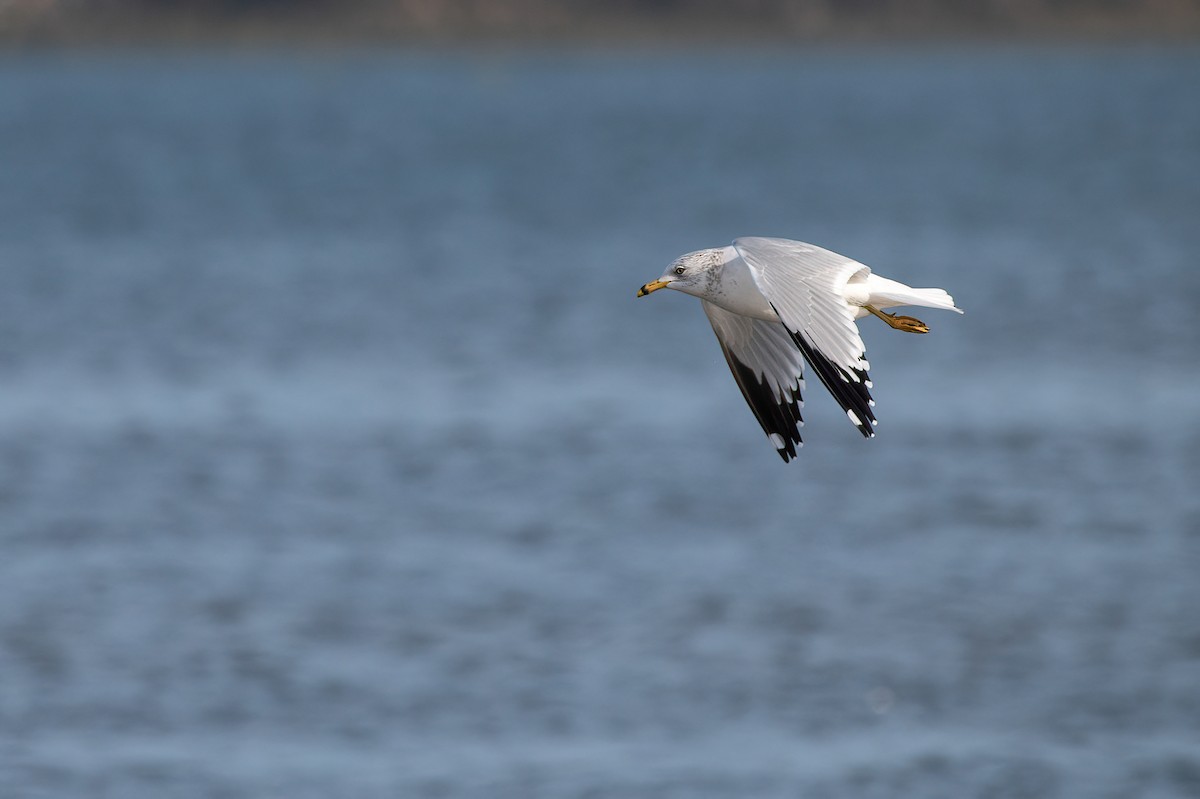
pixel 687 273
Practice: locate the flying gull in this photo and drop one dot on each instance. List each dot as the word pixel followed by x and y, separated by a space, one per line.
pixel 776 303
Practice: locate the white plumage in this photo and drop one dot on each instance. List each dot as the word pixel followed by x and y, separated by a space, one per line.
pixel 775 304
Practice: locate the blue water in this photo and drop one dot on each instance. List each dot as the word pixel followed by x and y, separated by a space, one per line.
pixel 337 458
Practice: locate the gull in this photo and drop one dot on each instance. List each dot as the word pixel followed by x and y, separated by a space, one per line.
pixel 775 304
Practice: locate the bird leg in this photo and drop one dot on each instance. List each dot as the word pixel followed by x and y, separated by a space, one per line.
pixel 906 323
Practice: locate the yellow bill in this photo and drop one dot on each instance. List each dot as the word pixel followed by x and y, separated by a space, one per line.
pixel 652 287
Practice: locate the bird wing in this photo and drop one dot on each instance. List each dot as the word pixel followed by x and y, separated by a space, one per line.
pixel 768 369
pixel 804 285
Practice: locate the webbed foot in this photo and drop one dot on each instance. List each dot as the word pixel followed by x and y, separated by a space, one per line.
pixel 908 324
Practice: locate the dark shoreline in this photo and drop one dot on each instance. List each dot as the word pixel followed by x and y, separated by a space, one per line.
pixel 321 26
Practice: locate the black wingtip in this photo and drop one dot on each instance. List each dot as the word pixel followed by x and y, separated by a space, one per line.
pixel 789 452
pixel 779 417
pixel 849 387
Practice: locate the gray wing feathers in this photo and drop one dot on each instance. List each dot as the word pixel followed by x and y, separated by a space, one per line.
pixel 804 283
pixel 764 347
pixel 768 368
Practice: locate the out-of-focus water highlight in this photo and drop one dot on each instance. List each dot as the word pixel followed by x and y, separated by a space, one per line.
pixel 338 459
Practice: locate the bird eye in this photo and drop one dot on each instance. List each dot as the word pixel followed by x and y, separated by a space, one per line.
pixel 679 270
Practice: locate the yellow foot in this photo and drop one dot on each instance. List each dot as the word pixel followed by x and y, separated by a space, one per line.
pixel 906 323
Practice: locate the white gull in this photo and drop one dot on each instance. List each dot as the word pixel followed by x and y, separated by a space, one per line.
pixel 776 303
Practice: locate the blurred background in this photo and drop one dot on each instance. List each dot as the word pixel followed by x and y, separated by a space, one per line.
pixel 603 21
pixel 337 458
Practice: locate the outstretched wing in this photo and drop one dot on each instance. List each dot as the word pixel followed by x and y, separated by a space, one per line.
pixel 768 369
pixel 804 285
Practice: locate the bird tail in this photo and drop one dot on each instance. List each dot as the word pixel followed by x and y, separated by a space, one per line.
pixel 888 293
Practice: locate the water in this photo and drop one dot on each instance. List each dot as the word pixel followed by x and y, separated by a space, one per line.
pixel 338 459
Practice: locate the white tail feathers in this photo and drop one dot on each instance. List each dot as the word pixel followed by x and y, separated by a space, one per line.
pixel 886 293
pixel 928 298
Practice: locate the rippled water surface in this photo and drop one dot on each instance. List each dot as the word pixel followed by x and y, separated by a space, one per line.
pixel 338 459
